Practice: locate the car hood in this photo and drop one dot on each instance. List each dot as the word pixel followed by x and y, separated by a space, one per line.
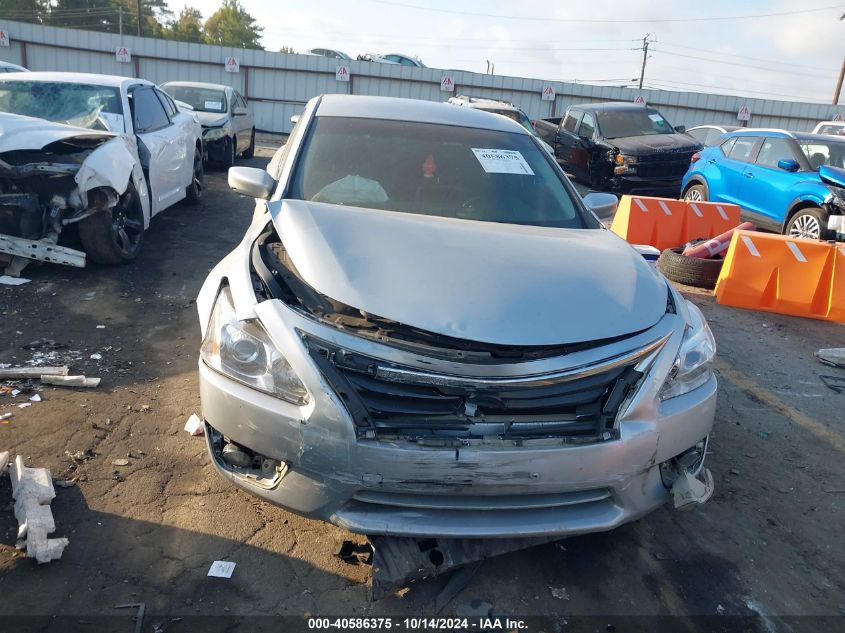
pixel 23 132
pixel 487 282
pixel 211 119
pixel 653 143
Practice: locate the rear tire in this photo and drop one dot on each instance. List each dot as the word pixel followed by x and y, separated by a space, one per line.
pixel 809 223
pixel 696 193
pixel 193 193
pixel 115 236
pixel 249 152
pixel 690 271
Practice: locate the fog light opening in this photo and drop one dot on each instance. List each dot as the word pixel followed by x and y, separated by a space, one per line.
pixel 245 463
pixel 691 461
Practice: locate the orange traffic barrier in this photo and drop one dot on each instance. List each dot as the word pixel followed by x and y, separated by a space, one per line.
pixel 781 274
pixel 667 223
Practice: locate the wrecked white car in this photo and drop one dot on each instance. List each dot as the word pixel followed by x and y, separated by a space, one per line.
pixel 104 153
pixel 427 332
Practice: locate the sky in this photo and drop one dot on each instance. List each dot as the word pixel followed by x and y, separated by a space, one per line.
pixel 745 51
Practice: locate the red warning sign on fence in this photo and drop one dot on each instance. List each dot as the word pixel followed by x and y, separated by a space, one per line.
pixel 232 65
pixel 123 55
pixel 548 93
pixel 447 84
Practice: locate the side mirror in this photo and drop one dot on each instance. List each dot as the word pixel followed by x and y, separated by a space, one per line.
pixel 239 111
pixel 681 129
pixel 788 164
pixel 602 204
pixel 252 182
pixel 294 119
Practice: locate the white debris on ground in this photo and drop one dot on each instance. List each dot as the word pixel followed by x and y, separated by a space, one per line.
pixel 194 425
pixel 8 280
pixel 32 490
pixel 70 381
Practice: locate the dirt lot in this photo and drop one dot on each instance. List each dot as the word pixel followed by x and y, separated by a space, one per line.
pixel 768 544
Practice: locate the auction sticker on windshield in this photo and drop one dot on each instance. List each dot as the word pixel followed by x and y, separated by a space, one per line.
pixel 213 105
pixel 502 161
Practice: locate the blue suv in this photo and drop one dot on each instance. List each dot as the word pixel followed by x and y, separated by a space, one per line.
pixel 787 182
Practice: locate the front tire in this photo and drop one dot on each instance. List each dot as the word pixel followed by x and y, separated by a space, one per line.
pixel 229 153
pixel 115 236
pixel 809 223
pixel 193 193
pixel 696 193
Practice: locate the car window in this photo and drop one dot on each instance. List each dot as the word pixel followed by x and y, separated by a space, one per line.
pixel 571 121
pixel 741 149
pixel 433 169
pixel 820 153
pixel 588 126
pixel 712 138
pixel 81 105
pixel 199 98
pixel 632 122
pixel 516 115
pixel 727 146
pixel 239 100
pixel 168 104
pixel 148 114
pixel 774 150
pixel 392 58
pixel 699 135
pixel 831 129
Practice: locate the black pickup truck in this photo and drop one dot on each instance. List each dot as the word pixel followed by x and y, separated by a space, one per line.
pixel 620 147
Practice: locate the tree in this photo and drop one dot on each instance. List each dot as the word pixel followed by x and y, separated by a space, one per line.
pixel 187 27
pixel 286 49
pixel 110 15
pixel 231 25
pixel 22 10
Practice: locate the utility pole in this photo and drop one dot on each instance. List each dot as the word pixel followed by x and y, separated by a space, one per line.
pixel 645 57
pixel 838 88
pixel 138 5
pixel 120 20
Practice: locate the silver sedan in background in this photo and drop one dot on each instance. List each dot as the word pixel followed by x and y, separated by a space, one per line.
pixel 228 127
pixel 427 332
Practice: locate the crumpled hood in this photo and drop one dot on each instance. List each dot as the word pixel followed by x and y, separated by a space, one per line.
pixel 482 281
pixel 211 119
pixel 23 132
pixel 651 143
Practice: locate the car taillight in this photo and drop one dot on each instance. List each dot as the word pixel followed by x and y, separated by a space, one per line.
pixel 694 158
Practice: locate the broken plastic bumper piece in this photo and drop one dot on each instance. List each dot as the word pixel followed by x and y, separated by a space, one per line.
pixel 689 491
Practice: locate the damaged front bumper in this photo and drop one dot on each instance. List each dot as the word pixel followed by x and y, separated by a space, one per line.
pixel 315 463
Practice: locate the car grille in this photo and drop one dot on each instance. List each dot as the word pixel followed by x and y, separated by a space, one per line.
pixel 387 400
pixel 672 165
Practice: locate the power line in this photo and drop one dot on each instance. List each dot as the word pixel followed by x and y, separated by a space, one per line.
pixel 733 63
pixel 734 55
pixel 597 21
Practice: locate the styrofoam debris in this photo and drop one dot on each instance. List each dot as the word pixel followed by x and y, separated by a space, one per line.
pixel 194 425
pixel 35 398
pixel 32 490
pixel 6 280
pixel 70 381
pixel 24 405
pixel 6 416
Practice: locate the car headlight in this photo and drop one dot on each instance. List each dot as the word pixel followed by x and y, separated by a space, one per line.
pixel 624 164
pixel 694 365
pixel 243 351
pixel 213 133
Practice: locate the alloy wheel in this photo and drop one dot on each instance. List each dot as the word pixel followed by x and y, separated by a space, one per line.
pixel 806 226
pixel 693 195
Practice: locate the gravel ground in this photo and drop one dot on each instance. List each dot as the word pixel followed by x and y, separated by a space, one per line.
pixel 766 545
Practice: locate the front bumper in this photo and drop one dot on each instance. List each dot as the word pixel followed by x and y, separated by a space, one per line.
pixel 631 184
pixel 215 150
pixel 487 489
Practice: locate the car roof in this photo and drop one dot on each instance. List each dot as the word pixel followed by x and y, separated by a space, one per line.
pixel 776 133
pixel 713 126
pixel 196 84
pixel 417 110
pixel 112 81
pixel 607 106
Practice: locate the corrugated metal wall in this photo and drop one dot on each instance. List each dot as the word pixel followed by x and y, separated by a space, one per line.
pixel 278 85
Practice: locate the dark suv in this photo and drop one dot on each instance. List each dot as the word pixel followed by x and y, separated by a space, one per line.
pixel 620 147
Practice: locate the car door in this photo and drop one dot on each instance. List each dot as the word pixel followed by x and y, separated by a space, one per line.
pixel 734 171
pixel 579 156
pixel 161 148
pixel 566 138
pixel 242 121
pixel 768 188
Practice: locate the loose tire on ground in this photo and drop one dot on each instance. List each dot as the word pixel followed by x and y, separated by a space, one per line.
pixel 249 152
pixel 690 271
pixel 114 236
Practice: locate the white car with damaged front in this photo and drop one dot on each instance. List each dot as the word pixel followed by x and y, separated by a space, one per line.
pixel 427 332
pixel 106 153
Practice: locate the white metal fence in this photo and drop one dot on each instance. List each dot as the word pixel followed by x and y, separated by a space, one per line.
pixel 277 85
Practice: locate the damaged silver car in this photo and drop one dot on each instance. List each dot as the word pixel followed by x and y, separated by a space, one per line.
pixel 427 332
pixel 100 152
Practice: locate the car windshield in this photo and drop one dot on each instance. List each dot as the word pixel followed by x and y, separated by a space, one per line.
pixel 831 129
pixel 200 99
pixel 431 169
pixel 618 124
pixel 519 116
pixel 80 105
pixel 820 153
